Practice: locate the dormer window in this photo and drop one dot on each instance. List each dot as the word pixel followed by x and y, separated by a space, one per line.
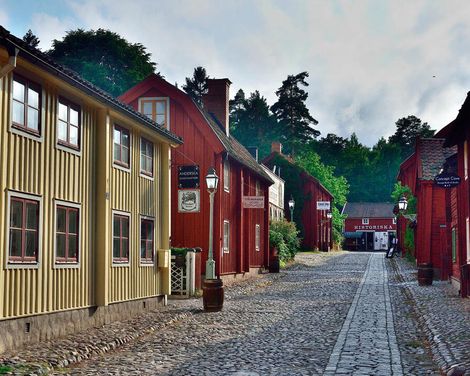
pixel 156 109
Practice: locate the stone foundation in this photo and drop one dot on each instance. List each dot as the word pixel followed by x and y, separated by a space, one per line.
pixel 16 333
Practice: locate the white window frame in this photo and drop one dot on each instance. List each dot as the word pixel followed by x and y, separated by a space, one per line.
pixel 167 104
pixel 69 265
pixel 226 235
pixel 365 221
pixel 226 175
pixel 143 175
pixel 121 264
pixel 117 165
pixel 14 265
pixel 257 237
pixel 148 218
pixel 58 145
pixel 394 220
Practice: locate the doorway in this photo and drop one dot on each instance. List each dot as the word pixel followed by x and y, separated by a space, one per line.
pixel 367 241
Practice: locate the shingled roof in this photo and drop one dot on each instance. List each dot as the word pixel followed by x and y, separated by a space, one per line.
pixel 41 59
pixel 433 156
pixel 368 210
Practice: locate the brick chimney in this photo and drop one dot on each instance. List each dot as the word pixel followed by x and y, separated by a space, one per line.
pixel 276 146
pixel 216 100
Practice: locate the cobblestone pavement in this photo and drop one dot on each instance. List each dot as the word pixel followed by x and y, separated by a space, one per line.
pixel 442 315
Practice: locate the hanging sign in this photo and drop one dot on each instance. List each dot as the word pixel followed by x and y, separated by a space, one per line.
pixel 323 205
pixel 253 202
pixel 446 180
pixel 189 201
pixel 188 176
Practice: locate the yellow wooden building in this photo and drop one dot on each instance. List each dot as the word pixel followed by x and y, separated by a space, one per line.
pixel 84 201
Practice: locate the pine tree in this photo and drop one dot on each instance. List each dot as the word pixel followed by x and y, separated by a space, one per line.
pixel 196 86
pixel 291 111
pixel 31 39
pixel 408 130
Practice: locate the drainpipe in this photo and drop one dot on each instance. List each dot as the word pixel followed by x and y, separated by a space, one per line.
pixel 8 67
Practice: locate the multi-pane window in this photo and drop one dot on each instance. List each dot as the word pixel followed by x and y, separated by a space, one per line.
pixel 226 237
pixel 67 232
pixel 146 157
pixel 155 109
pixel 120 238
pixel 257 237
pixel 146 240
pixel 68 126
pixel 226 175
pixel 365 221
pixel 122 145
pixel 26 105
pixel 24 230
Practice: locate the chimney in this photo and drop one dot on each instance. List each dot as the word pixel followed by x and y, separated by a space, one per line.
pixel 276 146
pixel 253 150
pixel 216 100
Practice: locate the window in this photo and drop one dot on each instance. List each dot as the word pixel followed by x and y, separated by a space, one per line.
pixel 454 244
pixel 26 105
pixel 68 125
pixel 24 230
pixel 365 221
pixel 122 145
pixel 226 245
pixel 120 238
pixel 146 240
pixel 227 176
pixel 146 157
pixel 67 233
pixel 257 237
pixel 156 109
pixel 394 221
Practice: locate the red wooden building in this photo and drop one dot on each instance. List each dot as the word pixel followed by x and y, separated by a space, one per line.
pixel 240 235
pixel 369 226
pixel 457 135
pixel 313 223
pixel 430 226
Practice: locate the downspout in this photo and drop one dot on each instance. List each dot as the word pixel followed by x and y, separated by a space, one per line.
pixel 8 67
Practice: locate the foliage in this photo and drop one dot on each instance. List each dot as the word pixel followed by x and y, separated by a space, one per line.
pixel 283 235
pixel 103 58
pixel 196 87
pixel 180 251
pixel 403 190
pixel 409 243
pixel 31 39
pixel 292 113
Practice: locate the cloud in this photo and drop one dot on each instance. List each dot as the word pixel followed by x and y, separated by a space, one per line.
pixel 3 17
pixel 49 28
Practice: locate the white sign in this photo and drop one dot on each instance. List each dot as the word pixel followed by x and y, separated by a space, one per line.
pixel 253 202
pixel 189 201
pixel 373 227
pixel 323 205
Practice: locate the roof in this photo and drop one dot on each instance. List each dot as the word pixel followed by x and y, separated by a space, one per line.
pixel 368 210
pixel 234 149
pixel 291 161
pixel 41 59
pixel 433 156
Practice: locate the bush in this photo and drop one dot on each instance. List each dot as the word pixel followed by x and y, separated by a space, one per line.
pixel 409 243
pixel 283 235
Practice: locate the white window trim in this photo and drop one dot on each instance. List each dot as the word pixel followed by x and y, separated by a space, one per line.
pixel 121 264
pixel 365 221
pixel 17 265
pixel 226 181
pixel 151 178
pixel 68 265
pixel 226 249
pixel 118 166
pixel 394 220
pixel 146 264
pixel 167 103
pixel 257 237
pixel 77 152
pixel 23 133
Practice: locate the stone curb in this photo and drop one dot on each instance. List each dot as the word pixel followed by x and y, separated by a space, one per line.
pixel 441 351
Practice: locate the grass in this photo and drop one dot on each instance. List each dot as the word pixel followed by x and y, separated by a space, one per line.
pixel 5 369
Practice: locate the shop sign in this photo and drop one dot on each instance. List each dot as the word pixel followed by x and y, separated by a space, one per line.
pixel 188 176
pixel 373 227
pixel 323 205
pixel 253 202
pixel 446 180
pixel 189 201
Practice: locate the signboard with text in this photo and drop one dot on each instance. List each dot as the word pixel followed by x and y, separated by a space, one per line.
pixel 445 180
pixel 323 205
pixel 188 176
pixel 189 201
pixel 253 202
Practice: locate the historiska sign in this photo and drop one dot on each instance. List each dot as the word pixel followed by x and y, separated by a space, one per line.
pixel 446 180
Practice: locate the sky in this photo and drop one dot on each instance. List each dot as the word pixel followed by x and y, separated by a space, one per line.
pixel 370 62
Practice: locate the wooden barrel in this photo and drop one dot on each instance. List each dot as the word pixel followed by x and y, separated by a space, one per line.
pixel 273 260
pixel 213 295
pixel 425 274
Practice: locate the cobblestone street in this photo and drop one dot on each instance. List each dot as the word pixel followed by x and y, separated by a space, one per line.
pixel 335 313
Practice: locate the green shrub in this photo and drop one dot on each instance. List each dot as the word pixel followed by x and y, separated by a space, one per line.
pixel 409 243
pixel 283 235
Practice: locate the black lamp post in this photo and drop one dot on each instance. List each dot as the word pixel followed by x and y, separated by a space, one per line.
pixel 212 180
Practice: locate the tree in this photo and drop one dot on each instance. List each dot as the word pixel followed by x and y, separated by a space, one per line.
pixel 196 86
pixel 31 39
pixel 104 58
pixel 408 130
pixel 291 111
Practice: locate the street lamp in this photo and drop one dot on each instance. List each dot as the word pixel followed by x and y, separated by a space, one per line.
pixel 329 215
pixel 402 204
pixel 212 180
pixel 291 208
